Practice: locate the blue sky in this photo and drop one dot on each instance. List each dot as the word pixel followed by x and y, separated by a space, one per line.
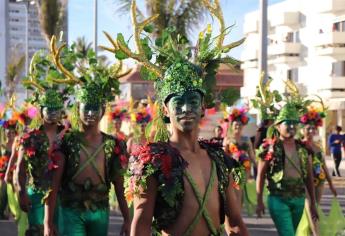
pixel 80 19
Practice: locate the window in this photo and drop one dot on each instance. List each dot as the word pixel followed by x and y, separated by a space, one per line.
pixel 338 69
pixel 293 75
pixel 339 26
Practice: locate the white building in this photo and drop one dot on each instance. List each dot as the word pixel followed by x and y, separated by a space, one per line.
pixel 306 43
pixel 13 23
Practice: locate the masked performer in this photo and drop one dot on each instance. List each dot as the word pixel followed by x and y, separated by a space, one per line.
pixel 180 183
pixel 89 159
pixel 286 163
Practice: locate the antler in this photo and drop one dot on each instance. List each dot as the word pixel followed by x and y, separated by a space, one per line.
pixel 32 78
pixel 117 72
pixel 139 55
pixel 216 10
pixel 71 79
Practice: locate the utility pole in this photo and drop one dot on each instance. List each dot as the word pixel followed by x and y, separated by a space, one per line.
pixel 95 27
pixel 263 39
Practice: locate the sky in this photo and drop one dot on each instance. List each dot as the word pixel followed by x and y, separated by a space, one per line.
pixel 81 20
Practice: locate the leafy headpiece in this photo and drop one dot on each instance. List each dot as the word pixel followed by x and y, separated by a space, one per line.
pixel 41 74
pixel 288 112
pixel 92 82
pixel 178 67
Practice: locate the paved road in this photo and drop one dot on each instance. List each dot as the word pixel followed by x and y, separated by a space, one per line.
pixel 257 227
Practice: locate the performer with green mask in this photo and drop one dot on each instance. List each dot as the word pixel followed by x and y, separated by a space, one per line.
pixel 286 163
pixel 179 185
pixel 89 159
pixel 35 156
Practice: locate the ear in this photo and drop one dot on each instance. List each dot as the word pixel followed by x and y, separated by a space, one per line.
pixel 203 110
pixel 166 110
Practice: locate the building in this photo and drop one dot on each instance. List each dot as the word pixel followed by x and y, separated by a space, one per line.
pixel 306 44
pixel 13 27
pixel 133 86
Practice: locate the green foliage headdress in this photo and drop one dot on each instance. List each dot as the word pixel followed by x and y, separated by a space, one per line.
pixel 41 73
pixel 177 66
pixel 89 80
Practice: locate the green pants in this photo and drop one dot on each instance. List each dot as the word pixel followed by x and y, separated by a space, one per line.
pixel 85 222
pixel 286 213
pixel 19 215
pixel 36 213
pixel 3 199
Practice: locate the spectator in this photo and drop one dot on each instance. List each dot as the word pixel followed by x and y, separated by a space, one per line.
pixel 335 142
pixel 218 138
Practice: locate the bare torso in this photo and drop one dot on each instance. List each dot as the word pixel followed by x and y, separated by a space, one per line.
pixel 200 169
pixel 289 170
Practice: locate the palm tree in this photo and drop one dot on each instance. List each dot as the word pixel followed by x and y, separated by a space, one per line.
pixel 82 46
pixel 51 13
pixel 183 15
pixel 14 71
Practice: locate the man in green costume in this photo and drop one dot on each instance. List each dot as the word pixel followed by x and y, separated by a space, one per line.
pixel 286 164
pixel 89 160
pixel 37 145
pixel 179 185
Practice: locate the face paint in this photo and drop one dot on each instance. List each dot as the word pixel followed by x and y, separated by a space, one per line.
pixel 309 130
pixel 51 115
pixel 90 115
pixel 185 110
pixel 288 128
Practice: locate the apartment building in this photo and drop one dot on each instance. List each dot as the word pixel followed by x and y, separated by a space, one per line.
pixel 15 17
pixel 306 44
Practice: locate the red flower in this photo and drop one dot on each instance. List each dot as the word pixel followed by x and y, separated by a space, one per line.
pixel 304 119
pixel 52 166
pixel 117 150
pixel 244 119
pixel 269 156
pixel 30 151
pixel 123 161
pixel 166 165
pixel 145 158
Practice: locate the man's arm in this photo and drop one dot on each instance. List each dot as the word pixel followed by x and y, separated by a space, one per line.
pixel 144 209
pixel 233 212
pixel 119 190
pixel 310 188
pixel 50 203
pixel 260 181
pixel 20 181
pixel 11 163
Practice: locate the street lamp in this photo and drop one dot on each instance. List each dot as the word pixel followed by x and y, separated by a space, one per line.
pixel 27 4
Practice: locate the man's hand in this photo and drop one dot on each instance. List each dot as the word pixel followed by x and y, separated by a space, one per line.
pixel 49 230
pixel 337 141
pixel 260 209
pixel 126 228
pixel 24 201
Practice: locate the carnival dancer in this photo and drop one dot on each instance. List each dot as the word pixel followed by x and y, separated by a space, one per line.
pixel 311 121
pixel 218 135
pixel 180 183
pixel 116 118
pixel 90 160
pixel 10 132
pixel 287 165
pixel 36 162
pixel 240 148
pixel 139 122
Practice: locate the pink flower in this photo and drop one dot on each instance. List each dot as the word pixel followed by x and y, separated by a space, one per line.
pixel 304 119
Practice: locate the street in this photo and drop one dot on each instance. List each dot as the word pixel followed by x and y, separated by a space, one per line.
pixel 257 227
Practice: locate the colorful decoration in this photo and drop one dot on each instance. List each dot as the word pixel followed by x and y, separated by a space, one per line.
pixel 313 117
pixel 118 113
pixel 4 159
pixel 239 114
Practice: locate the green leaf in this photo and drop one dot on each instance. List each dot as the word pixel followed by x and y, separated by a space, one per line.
pixel 147 49
pixel 149 28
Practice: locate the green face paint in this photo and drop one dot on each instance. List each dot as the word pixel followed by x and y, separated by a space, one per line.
pixel 90 114
pixel 51 115
pixel 185 110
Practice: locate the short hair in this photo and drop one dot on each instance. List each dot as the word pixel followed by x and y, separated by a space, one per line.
pixel 338 128
pixel 218 127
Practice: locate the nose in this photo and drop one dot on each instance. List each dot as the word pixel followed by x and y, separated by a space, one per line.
pixel 186 107
pixel 89 112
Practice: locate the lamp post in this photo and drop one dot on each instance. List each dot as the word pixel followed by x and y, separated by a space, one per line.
pixel 95 27
pixel 263 39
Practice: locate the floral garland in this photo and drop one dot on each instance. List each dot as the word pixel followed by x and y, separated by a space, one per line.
pixel 37 155
pixel 4 159
pixel 312 116
pixel 118 114
pixel 319 173
pixel 240 155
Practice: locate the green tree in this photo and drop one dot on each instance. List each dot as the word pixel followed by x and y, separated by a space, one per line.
pixel 229 96
pixel 14 71
pixel 51 15
pixel 183 15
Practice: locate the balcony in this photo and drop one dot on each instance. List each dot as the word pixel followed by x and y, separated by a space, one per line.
pixel 331 44
pixel 329 6
pixel 332 87
pixel 290 19
pixel 284 53
pixel 249 58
